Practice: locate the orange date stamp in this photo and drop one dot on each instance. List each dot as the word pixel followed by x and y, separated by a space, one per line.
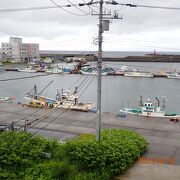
pixel 147 160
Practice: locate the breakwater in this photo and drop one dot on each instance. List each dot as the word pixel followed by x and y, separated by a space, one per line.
pixel 146 58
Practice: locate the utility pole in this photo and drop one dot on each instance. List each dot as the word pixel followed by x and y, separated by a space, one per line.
pixel 99 66
pixel 103 26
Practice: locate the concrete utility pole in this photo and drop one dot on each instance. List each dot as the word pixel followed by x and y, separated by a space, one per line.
pixel 103 26
pixel 99 66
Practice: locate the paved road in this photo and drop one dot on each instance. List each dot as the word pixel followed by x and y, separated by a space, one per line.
pixel 163 135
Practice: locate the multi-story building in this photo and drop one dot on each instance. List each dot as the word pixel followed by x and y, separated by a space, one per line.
pixel 17 51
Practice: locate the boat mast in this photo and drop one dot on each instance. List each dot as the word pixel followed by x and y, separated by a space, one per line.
pixel 35 92
pixel 141 101
pixel 158 101
pixel 164 102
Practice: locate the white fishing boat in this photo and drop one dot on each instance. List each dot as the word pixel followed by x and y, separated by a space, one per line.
pixel 55 70
pixel 91 71
pixel 69 100
pixel 88 70
pixel 151 110
pixel 7 98
pixel 28 69
pixel 138 74
pixel 173 76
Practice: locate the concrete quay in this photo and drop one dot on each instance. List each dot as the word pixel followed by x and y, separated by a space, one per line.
pixel 162 135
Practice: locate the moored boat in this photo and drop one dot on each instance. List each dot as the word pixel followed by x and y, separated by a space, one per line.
pixel 55 70
pixel 92 71
pixel 7 98
pixel 88 70
pixel 138 74
pixel 69 100
pixel 28 69
pixel 173 76
pixel 151 110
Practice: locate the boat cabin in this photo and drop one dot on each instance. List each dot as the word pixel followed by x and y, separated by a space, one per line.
pixel 149 109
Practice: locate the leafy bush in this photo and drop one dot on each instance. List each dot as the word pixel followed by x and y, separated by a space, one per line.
pixel 91 176
pixel 19 151
pixel 117 150
pixel 49 171
pixel 23 156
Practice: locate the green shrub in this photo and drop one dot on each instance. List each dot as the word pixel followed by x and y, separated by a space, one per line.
pixel 19 151
pixel 91 176
pixel 117 150
pixel 52 170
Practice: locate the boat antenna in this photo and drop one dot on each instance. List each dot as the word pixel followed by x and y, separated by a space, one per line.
pixel 58 95
pixel 141 101
pixel 35 91
pixel 164 102
pixel 75 91
pixel 158 101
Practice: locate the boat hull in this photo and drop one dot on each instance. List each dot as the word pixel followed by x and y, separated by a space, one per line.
pixel 28 71
pixel 133 111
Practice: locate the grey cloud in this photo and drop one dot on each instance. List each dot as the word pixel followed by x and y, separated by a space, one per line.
pixel 56 23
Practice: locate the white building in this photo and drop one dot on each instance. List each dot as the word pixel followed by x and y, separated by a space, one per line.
pixel 17 51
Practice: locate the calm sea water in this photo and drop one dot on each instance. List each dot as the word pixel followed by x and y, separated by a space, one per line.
pixel 117 91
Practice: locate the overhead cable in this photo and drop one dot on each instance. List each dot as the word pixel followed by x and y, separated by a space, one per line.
pixel 78 8
pixel 45 7
pixel 25 77
pixel 142 6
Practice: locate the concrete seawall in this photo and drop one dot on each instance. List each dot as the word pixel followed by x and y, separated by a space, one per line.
pixel 158 58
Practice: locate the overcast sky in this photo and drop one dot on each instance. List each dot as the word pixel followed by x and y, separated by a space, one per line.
pixel 141 29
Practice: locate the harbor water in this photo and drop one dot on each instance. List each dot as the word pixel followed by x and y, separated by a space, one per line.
pixel 117 91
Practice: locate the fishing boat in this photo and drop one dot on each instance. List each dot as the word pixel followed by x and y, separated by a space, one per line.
pixel 173 76
pixel 69 100
pixel 149 109
pixel 108 70
pixel 160 74
pixel 138 74
pixel 55 70
pixel 65 100
pixel 7 98
pixel 28 69
pixel 68 67
pixel 35 99
pixel 88 70
pixel 92 71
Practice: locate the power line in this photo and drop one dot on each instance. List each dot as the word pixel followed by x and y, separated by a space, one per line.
pixel 11 132
pixel 78 8
pixel 45 7
pixel 25 77
pixel 87 86
pixel 141 6
pixel 67 10
pixel 50 122
pixel 40 119
pixel 90 7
